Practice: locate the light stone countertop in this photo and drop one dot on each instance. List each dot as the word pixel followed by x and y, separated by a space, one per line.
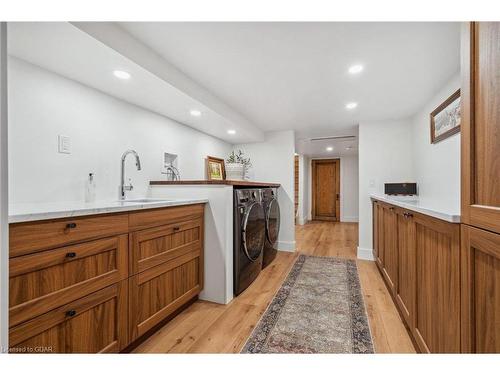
pixel 438 209
pixel 22 212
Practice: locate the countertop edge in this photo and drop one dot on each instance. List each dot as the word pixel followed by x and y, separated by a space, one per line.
pixel 50 215
pixel 215 182
pixel 446 216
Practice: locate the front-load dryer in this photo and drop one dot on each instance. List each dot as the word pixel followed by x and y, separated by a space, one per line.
pixel 272 216
pixel 249 237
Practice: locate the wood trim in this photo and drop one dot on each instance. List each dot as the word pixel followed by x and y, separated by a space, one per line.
pixel 467 125
pixel 440 108
pixel 314 163
pixel 216 182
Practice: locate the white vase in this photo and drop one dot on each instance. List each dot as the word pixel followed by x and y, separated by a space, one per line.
pixel 234 171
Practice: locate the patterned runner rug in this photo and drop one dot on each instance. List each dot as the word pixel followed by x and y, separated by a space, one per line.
pixel 318 309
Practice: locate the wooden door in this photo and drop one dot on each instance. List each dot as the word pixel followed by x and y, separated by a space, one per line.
pixel 326 189
pixel 390 258
pixel 157 292
pixel 405 286
pixel 480 256
pixel 93 324
pixel 481 125
pixel 437 251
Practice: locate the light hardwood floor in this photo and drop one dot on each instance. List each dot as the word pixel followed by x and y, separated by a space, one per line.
pixel 206 327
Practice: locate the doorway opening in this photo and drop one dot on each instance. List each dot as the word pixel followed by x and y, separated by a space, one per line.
pixel 326 189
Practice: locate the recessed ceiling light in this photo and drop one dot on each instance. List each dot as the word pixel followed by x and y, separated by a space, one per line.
pixel 195 113
pixel 231 131
pixel 348 148
pixel 121 74
pixel 329 148
pixel 355 69
pixel 351 105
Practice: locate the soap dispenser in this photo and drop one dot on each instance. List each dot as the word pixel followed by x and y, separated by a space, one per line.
pixel 90 189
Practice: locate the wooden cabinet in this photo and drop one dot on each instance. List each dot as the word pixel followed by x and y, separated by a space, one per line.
pixel 481 125
pixel 79 285
pixel 405 285
pixel 42 281
pixel 480 290
pixel 150 247
pixel 421 267
pixel 159 291
pixel 93 324
pixel 437 320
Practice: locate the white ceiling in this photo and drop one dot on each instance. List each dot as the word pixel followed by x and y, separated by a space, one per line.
pixel 66 50
pixel 294 75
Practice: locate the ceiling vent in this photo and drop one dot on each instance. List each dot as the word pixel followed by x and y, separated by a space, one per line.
pixel 335 138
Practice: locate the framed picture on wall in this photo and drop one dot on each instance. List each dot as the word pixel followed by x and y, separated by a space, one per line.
pixel 215 168
pixel 445 119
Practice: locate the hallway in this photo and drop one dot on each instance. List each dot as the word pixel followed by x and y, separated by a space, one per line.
pixel 206 327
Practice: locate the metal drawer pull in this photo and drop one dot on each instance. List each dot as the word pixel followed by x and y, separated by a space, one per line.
pixel 71 313
pixel 71 226
pixel 70 255
pixel 176 228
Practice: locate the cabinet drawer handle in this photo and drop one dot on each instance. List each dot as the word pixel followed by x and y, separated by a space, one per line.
pixel 391 208
pixel 409 215
pixel 176 229
pixel 71 313
pixel 71 226
pixel 70 255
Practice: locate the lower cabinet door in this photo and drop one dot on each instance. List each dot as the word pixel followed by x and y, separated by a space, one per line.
pixel 157 292
pixel 390 260
pixel 437 251
pixel 92 324
pixel 405 286
pixel 480 291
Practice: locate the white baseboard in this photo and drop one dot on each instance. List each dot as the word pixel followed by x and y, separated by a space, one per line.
pixel 349 219
pixel 365 254
pixel 301 220
pixel 286 246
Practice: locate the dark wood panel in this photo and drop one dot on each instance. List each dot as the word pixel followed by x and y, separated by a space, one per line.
pixel 43 281
pixel 96 323
pixel 26 238
pixel 437 321
pixel 481 125
pixel 326 189
pixel 480 257
pixel 159 291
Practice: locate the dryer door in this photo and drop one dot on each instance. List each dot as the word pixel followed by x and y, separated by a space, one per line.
pixel 273 221
pixel 253 231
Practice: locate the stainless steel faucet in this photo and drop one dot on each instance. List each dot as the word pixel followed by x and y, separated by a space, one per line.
pixel 123 188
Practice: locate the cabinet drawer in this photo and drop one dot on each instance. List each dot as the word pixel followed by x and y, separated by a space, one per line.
pixel 150 247
pixel 163 216
pixel 93 324
pixel 157 292
pixel 43 281
pixel 26 238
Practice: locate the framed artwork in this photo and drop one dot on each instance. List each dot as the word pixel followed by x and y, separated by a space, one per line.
pixel 215 168
pixel 445 119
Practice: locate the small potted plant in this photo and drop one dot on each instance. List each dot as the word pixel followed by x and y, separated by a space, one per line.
pixel 237 166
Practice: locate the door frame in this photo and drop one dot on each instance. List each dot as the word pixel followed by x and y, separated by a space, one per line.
pixel 314 163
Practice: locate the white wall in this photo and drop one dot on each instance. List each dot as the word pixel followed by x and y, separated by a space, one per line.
pixel 273 161
pixel 304 207
pixel 384 156
pixel 349 188
pixel 437 166
pixel 43 105
pixel 4 228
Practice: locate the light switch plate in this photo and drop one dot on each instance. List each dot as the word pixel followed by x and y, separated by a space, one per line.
pixel 64 143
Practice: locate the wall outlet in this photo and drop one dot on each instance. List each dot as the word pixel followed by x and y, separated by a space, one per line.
pixel 64 144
